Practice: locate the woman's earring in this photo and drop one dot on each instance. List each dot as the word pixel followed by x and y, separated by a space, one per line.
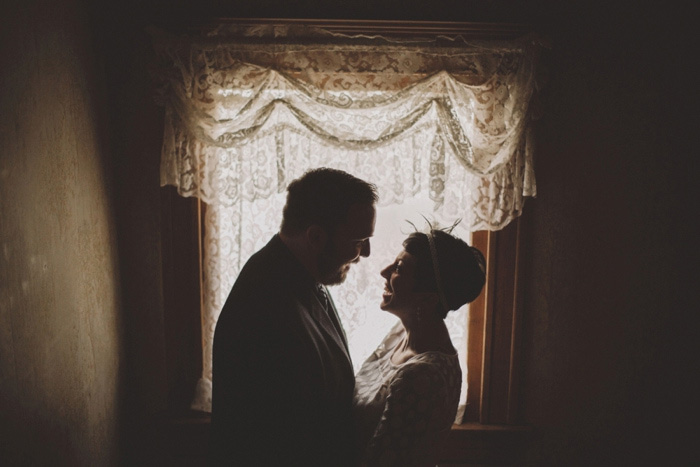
pixel 419 315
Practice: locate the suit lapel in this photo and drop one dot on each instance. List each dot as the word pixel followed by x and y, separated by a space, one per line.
pixel 303 287
pixel 335 318
pixel 329 322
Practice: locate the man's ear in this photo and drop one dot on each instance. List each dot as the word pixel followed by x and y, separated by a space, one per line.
pixel 317 238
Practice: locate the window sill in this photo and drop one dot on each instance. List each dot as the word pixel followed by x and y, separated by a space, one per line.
pixel 477 444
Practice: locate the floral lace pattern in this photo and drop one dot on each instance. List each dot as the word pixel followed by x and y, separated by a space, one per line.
pixel 402 411
pixel 244 119
pixel 446 122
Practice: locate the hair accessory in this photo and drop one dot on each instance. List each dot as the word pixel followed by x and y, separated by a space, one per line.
pixel 480 260
pixel 436 268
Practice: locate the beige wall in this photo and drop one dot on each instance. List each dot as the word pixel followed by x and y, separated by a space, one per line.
pixel 60 339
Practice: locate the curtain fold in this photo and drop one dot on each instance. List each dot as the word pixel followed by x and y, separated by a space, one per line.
pixel 247 110
pixel 471 96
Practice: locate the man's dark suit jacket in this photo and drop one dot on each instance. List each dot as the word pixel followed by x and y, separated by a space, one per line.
pixel 282 376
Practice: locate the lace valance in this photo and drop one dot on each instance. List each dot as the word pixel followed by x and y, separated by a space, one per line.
pixel 248 110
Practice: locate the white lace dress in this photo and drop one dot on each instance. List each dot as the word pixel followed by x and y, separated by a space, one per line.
pixel 402 412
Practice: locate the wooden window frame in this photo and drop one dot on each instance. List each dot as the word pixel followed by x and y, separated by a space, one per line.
pixel 494 331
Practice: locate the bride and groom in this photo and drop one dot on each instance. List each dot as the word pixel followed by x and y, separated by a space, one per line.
pixel 284 390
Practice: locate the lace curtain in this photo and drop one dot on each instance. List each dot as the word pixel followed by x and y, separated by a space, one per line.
pixel 442 130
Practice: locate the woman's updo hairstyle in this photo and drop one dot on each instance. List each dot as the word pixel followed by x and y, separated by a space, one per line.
pixel 461 268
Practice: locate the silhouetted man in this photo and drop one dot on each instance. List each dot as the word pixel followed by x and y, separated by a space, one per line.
pixel 282 376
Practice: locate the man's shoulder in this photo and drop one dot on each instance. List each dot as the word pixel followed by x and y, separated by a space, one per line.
pixel 270 280
pixel 267 264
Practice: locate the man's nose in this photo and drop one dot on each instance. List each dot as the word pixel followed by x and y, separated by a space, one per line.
pixel 365 248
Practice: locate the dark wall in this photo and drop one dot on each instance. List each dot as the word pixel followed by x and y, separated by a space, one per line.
pixel 607 351
pixel 136 139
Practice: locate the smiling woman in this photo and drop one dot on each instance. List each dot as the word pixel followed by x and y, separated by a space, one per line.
pixel 401 282
pixel 407 392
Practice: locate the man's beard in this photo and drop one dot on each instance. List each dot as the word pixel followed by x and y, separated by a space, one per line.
pixel 329 269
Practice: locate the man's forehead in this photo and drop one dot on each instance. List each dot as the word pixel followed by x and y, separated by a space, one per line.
pixel 359 222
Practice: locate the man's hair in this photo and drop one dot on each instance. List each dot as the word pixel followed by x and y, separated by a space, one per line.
pixel 462 267
pixel 323 197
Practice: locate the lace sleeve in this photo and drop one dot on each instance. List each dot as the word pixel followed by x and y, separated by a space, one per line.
pixel 407 430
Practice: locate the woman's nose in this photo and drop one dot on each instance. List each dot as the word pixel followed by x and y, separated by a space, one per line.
pixel 385 273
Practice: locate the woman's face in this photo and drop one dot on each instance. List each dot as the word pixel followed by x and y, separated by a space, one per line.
pixel 400 284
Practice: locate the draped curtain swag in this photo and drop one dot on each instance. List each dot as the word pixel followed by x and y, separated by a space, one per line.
pixel 248 109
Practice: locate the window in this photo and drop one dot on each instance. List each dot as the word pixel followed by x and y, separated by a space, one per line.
pixel 488 139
